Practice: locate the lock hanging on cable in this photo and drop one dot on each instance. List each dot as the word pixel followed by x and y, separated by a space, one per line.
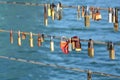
pixel 11 36
pixel 64 45
pixel 89 75
pixel 91 11
pixel 113 15
pixel 110 15
pixel 93 14
pixel 87 18
pixel 42 38
pixel 49 9
pixel 23 36
pixel 70 45
pixel 53 11
pixel 98 15
pixel 76 44
pixel 78 12
pixel 59 11
pixel 83 11
pixel 116 26
pixel 19 39
pixel 31 40
pixel 39 40
pixel 51 44
pixel 45 15
pixel 90 48
pixel 110 47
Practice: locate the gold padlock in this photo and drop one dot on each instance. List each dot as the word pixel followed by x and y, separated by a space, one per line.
pixel 19 39
pixel 111 50
pixel 45 15
pixel 49 10
pixel 98 15
pixel 31 40
pixel 87 20
pixel 90 48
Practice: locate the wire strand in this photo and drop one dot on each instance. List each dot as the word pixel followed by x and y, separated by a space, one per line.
pixel 58 66
pixel 57 37
pixel 38 4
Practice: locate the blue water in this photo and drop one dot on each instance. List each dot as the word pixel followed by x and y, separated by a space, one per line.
pixel 30 19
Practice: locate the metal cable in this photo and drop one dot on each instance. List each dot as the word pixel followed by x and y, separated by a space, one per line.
pixel 38 4
pixel 58 66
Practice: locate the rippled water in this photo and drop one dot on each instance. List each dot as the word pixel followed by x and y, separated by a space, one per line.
pixel 29 18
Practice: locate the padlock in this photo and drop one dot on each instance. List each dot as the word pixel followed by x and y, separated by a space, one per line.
pixel 64 45
pixel 19 39
pixel 45 15
pixel 110 15
pixel 42 38
pixel 111 50
pixel 51 44
pixel 31 40
pixel 93 14
pixel 90 48
pixel 91 10
pixel 113 15
pixel 70 45
pixel 59 11
pixel 83 11
pixel 11 36
pixel 98 15
pixel 39 40
pixel 23 36
pixel 89 75
pixel 53 11
pixel 78 46
pixel 49 10
pixel 77 43
pixel 78 12
pixel 87 19
pixel 73 43
pixel 116 27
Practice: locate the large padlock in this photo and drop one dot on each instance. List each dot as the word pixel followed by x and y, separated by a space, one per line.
pixel 64 45
pixel 110 46
pixel 90 48
pixel 77 43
